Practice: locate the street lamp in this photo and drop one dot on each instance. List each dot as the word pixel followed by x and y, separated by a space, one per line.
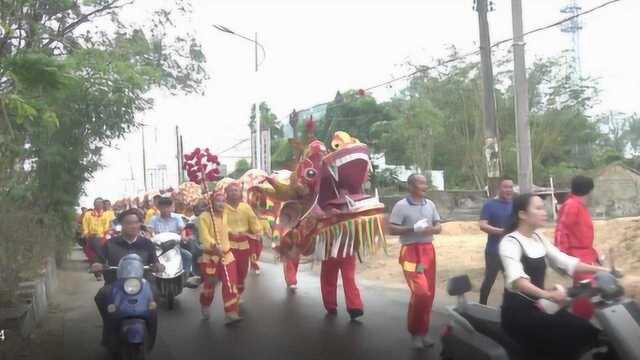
pixel 254 41
pixel 258 141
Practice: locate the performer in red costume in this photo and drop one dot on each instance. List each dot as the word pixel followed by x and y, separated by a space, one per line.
pixel 574 229
pixel 291 272
pixel 329 284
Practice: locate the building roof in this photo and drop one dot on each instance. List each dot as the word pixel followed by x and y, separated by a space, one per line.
pixel 598 172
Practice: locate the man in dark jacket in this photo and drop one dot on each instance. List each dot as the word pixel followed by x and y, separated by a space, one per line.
pixel 128 242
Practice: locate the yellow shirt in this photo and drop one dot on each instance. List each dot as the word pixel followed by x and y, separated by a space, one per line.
pixel 94 223
pixel 150 214
pixel 110 216
pixel 242 219
pixel 266 227
pixel 218 237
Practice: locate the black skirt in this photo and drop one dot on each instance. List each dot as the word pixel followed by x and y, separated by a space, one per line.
pixel 559 336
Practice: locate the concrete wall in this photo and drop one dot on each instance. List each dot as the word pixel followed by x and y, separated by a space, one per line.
pixel 33 306
pixel 616 194
pixel 452 205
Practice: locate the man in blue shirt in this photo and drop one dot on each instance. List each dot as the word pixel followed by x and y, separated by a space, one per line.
pixel 494 218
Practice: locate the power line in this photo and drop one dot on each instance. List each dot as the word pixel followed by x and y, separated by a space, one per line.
pixel 499 43
pixel 233 146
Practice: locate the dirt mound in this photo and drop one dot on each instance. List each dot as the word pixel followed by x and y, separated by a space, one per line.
pixel 460 250
pixel 620 238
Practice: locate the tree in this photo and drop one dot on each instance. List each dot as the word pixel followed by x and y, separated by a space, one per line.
pixel 355 114
pixel 437 121
pixel 633 133
pixel 241 167
pixel 73 76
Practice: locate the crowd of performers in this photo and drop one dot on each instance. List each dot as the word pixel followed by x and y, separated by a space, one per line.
pixel 222 248
pixel 225 237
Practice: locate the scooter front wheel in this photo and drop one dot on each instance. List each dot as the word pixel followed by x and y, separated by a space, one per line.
pixel 445 354
pixel 170 301
pixel 134 352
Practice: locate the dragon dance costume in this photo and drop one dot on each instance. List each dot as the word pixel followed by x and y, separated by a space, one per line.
pixel 325 214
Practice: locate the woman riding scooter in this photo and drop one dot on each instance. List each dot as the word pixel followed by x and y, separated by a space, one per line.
pixel 524 254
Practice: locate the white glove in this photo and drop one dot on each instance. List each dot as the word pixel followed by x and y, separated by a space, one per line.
pixel 421 226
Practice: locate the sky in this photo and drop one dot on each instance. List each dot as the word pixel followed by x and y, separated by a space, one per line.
pixel 317 47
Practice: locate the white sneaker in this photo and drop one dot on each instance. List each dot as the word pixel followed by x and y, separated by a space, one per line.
pixel 427 342
pixel 205 312
pixel 292 287
pixel 257 271
pixel 231 319
pixel 417 343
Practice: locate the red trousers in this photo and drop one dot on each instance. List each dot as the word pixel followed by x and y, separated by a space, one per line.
pixel 256 249
pixel 91 244
pixel 418 263
pixel 88 252
pixel 242 257
pixel 329 283
pixel 213 273
pixel 291 271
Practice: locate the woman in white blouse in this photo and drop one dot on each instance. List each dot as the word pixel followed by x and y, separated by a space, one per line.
pixel 525 254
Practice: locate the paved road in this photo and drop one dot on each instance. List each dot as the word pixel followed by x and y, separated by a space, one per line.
pixel 277 325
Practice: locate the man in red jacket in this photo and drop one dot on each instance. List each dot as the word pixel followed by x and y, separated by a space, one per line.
pixel 574 230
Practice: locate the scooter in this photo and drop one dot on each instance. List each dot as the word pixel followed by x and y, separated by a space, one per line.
pixel 131 311
pixel 172 280
pixel 474 330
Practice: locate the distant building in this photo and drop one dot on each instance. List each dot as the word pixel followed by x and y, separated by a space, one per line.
pixel 616 192
pixel 403 172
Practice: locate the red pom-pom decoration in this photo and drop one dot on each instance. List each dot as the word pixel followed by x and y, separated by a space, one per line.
pixel 201 166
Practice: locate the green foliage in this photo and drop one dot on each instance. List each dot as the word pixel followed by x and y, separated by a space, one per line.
pixel 355 115
pixel 69 86
pixel 241 167
pixel 447 104
pixel 436 122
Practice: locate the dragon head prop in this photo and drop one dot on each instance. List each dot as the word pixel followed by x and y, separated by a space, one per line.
pixel 324 209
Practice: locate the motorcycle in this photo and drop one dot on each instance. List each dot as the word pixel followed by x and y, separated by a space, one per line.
pixel 474 330
pixel 131 311
pixel 172 280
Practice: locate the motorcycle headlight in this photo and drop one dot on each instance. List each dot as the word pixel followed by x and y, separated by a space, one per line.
pixel 132 286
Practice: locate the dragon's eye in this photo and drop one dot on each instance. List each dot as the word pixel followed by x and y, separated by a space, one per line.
pixel 310 173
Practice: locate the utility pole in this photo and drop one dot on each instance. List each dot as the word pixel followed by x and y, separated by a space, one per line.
pixel 178 155
pixel 181 145
pixel 523 137
pixel 144 162
pixel 255 49
pixel 491 146
pixel 258 127
pixel 258 132
pixel 258 141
